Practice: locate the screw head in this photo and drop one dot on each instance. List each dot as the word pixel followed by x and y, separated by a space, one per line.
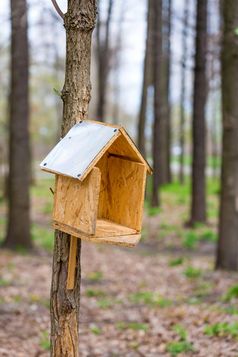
pixel 115 130
pixel 78 175
pixel 45 164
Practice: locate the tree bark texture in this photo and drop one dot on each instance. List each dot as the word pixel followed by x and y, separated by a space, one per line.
pixel 18 228
pixel 227 250
pixel 103 53
pixel 147 77
pixel 79 22
pixel 167 65
pixel 183 92
pixel 157 128
pixel 198 205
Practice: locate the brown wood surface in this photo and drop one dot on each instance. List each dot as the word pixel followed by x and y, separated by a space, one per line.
pixel 125 190
pixel 72 262
pixel 123 239
pixel 76 203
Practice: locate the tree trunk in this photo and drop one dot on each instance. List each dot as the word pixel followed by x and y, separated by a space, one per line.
pixel 146 80
pixel 183 92
pixel 18 228
pixel 79 22
pixel 167 58
pixel 227 250
pixel 198 206
pixel 103 62
pixel 157 139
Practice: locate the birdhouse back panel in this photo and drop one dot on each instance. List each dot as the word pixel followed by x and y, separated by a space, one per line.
pixel 122 191
pixel 76 203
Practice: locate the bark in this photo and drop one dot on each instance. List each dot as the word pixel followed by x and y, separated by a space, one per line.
pixel 157 137
pixel 227 250
pixel 183 92
pixel 146 80
pixel 18 228
pixel 79 22
pixel 198 206
pixel 168 103
pixel 103 52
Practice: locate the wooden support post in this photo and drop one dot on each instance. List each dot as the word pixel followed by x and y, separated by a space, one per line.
pixel 72 263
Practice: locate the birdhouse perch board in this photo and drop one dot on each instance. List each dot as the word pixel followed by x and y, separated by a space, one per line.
pixel 100 184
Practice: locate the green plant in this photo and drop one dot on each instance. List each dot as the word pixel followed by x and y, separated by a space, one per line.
pixel 232 293
pixel 95 276
pixel 190 239
pixel 104 303
pixel 183 345
pixel 149 298
pixel 136 326
pixel 4 282
pixel 44 341
pixel 95 293
pixel 95 330
pixel 192 273
pixel 176 261
pixel 222 329
pixel 177 347
pixel 43 237
pixel 208 236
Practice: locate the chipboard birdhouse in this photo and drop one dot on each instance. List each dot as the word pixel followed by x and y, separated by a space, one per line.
pixel 100 184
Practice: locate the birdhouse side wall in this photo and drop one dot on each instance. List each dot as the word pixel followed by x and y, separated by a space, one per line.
pixel 76 203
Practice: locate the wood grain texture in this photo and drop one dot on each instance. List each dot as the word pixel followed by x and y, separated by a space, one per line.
pixel 72 263
pixel 76 203
pixel 122 240
pixel 124 199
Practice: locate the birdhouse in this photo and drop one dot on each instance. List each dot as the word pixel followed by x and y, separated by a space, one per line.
pixel 100 184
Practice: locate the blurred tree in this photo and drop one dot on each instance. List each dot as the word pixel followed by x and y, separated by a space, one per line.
pixel 79 22
pixel 166 39
pixel 198 204
pixel 227 250
pixel 147 78
pixel 18 227
pixel 159 130
pixel 103 57
pixel 183 90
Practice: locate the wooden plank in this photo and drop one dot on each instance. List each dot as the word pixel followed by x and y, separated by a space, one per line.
pixel 124 240
pixel 72 262
pixel 76 203
pixel 104 228
pixel 125 190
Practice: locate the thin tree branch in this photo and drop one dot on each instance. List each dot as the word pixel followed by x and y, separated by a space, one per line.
pixel 57 8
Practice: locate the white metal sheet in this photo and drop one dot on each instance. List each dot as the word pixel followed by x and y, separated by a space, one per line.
pixel 74 153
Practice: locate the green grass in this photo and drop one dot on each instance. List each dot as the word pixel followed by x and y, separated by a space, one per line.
pixel 95 276
pixel 104 303
pixel 95 293
pixel 181 346
pixel 4 282
pixel 136 326
pixel 149 298
pixel 222 329
pixel 42 188
pixel 175 262
pixel 232 293
pixel 45 341
pixel 192 273
pixel 96 330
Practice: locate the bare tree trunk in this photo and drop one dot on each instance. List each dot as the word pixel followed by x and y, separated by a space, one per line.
pixel 227 249
pixel 18 229
pixel 167 57
pixel 146 79
pixel 79 22
pixel 157 132
pixel 103 53
pixel 198 206
pixel 183 92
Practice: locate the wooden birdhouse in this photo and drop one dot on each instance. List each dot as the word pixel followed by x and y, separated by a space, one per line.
pixel 100 184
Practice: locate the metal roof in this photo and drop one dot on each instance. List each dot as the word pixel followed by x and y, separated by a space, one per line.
pixel 76 151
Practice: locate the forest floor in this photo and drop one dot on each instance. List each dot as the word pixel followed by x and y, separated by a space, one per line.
pixel 162 298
